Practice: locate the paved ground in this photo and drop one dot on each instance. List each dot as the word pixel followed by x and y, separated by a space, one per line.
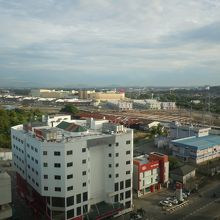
pixel 201 208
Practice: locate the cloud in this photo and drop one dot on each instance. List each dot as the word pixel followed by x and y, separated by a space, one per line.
pixel 101 39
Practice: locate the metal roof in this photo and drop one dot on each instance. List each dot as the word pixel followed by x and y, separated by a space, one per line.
pixel 198 143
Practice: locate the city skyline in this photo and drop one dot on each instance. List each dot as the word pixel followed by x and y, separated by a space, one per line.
pixel 147 43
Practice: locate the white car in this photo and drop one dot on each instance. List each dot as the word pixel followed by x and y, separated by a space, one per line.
pixel 166 203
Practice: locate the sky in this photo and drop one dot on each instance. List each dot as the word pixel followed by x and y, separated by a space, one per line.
pixel 67 43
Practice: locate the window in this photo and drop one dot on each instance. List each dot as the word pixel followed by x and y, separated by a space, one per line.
pixel 70 213
pixel 117 154
pixel 70 176
pixel 109 155
pixel 128 172
pixel 83 161
pixel 57 189
pixel 109 145
pixel 84 173
pixel 69 188
pixel 45 176
pixel 58 201
pixel 128 152
pixel 127 194
pixel 85 208
pixel 85 196
pixel 83 150
pixel 57 177
pixel 110 176
pixel 28 166
pixel 44 152
pixel 69 152
pixel 70 201
pixel 128 183
pixel 128 204
pixel 128 162
pixel 117 164
pixel 32 158
pixel 36 150
pixel 116 175
pixel 116 144
pixel 84 184
pixel 109 165
pixel 37 184
pixel 128 142
pixel 36 161
pixel 116 186
pixel 28 155
pixel 78 198
pixel 70 164
pixel 78 210
pixel 57 165
pixel 45 164
pixel 56 153
pixel 121 185
pixel 116 198
pixel 121 196
pixel 45 188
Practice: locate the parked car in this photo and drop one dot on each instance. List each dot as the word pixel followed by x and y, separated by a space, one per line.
pixel 165 203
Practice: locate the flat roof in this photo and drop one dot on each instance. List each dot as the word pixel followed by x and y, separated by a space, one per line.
pixel 198 143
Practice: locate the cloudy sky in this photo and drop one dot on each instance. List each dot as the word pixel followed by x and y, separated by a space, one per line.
pixel 114 42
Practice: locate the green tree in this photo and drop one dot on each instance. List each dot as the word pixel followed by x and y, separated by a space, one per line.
pixel 173 162
pixel 69 108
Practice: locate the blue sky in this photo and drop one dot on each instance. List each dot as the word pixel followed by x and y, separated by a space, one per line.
pixel 115 42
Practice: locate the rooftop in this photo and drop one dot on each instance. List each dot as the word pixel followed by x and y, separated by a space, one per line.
pixel 198 143
pixel 183 170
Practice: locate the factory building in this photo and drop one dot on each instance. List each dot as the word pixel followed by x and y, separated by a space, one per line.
pixel 168 105
pixel 105 96
pixel 150 172
pixel 73 171
pixel 120 105
pixel 197 149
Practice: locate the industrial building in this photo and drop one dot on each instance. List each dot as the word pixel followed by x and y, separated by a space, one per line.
pixel 73 171
pixel 5 196
pixel 168 105
pixel 105 96
pixel 120 105
pixel 197 149
pixel 178 131
pixel 150 172
pixel 151 104
pixel 51 93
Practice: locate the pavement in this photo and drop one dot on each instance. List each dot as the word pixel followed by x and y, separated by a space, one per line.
pixel 201 206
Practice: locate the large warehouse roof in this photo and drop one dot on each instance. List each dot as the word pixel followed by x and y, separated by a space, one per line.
pixel 198 143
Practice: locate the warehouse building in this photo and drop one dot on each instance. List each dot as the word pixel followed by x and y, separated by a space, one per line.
pixel 197 149
pixel 73 171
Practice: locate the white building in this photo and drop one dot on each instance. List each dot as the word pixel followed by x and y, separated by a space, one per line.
pixel 5 196
pixel 151 104
pixel 74 171
pixel 5 154
pixel 120 105
pixel 168 105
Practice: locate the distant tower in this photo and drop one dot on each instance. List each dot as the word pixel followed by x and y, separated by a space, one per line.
pixel 152 96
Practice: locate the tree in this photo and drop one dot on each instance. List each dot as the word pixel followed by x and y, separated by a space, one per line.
pixel 173 162
pixel 69 108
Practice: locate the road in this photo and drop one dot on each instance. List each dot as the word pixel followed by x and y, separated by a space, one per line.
pixel 202 208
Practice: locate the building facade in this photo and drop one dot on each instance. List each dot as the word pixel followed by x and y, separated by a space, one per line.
pixel 197 149
pixel 74 173
pixel 120 105
pixel 150 173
